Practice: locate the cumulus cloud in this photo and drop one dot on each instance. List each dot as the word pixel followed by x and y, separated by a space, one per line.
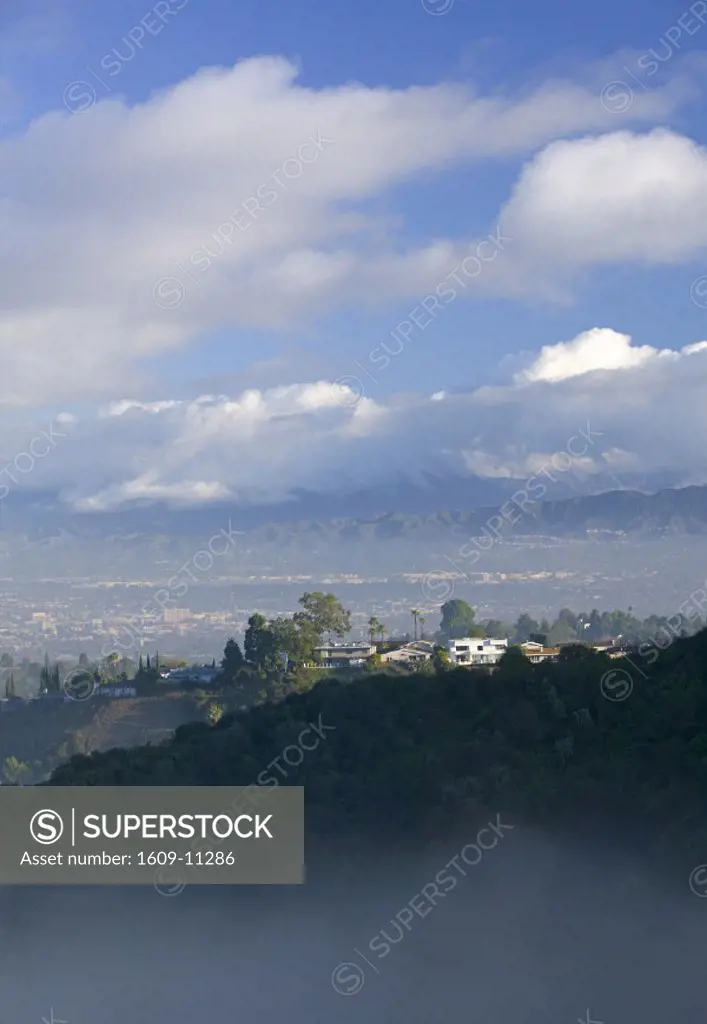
pixel 129 231
pixel 617 198
pixel 613 396
pixel 598 349
pixel 612 199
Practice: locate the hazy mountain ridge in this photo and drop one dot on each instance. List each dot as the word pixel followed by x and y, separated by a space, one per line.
pixel 41 539
pixel 669 512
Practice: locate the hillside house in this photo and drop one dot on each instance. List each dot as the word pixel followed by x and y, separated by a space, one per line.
pixel 409 654
pixel 199 675
pixel 616 652
pixel 476 650
pixel 538 652
pixel 343 655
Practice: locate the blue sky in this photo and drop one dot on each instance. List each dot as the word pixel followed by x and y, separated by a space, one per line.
pixel 129 187
pixel 394 44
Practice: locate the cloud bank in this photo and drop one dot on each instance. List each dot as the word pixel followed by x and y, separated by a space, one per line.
pixel 263 445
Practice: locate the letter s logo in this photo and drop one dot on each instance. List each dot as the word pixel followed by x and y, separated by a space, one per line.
pixel 46 827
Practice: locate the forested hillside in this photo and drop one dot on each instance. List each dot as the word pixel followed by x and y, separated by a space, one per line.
pixel 35 739
pixel 551 742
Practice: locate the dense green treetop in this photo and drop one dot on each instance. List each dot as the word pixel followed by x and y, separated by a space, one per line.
pixel 459 620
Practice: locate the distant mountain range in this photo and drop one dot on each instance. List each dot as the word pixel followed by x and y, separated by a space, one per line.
pixel 39 536
pixel 422 497
pixel 669 512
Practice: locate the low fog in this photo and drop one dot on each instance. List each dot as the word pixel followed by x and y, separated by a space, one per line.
pixel 541 929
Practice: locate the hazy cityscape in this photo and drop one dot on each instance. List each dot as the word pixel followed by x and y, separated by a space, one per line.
pixel 65 616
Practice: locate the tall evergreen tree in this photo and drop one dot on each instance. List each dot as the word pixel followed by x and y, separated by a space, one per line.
pixel 256 639
pixel 232 661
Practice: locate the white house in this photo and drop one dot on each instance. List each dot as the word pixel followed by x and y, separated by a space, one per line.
pixel 476 651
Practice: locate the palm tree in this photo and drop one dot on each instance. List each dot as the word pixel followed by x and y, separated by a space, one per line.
pixel 422 620
pixel 375 628
pixel 415 612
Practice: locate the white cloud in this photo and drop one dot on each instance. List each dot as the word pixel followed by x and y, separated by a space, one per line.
pixel 613 199
pixel 98 206
pixel 598 349
pixel 147 488
pixel 617 198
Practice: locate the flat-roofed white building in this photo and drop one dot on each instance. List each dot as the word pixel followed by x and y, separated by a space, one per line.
pixel 476 650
